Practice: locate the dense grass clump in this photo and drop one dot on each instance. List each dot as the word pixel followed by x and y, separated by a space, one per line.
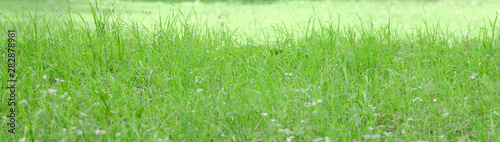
pixel 110 79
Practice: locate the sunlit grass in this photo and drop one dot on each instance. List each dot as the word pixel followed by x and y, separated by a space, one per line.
pixel 110 78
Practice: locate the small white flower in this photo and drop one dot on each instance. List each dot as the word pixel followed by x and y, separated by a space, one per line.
pixel 409 119
pixel 434 100
pixel 466 98
pixel 441 137
pixel 446 114
pixel 387 134
pixel 118 134
pixel 307 104
pixel 52 91
pixel 289 74
pixel 318 139
pixel 39 111
pixel 69 98
pixel 375 136
pixel 22 139
pixel 99 132
pixel 473 76
pixel 23 102
pixel 319 101
pixel 263 114
pixel 199 90
pixel 495 112
pixel 44 77
pixel 83 114
pixel 79 132
pixel 370 128
pixel 303 121
pixel 64 129
pixel 373 108
pixel 290 138
pixel 417 98
pixel 286 131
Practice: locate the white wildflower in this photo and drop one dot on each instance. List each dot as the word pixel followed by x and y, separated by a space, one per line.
pixel 83 114
pixel 64 129
pixel 199 90
pixel 441 137
pixel 198 79
pixel 370 128
pixel 22 139
pixel 434 100
pixel 318 139
pixel 118 134
pixel 263 114
pixel 44 77
pixel 387 134
pixel 446 114
pixel 52 91
pixel 307 104
pixel 79 132
pixel 319 101
pixel 59 80
pixel 289 74
pixel 23 102
pixel 327 139
pixel 290 138
pixel 473 76
pixel 409 119
pixel 99 132
pixel 417 98
pixel 374 136
pixel 495 112
pixel 286 131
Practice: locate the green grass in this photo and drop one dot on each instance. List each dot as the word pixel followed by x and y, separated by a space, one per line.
pixel 178 76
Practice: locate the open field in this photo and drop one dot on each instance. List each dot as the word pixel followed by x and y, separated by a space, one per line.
pixel 284 71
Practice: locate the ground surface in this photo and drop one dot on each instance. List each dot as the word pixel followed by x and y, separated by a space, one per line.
pixel 286 71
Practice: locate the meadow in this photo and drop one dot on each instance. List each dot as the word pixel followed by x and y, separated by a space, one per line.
pixel 229 71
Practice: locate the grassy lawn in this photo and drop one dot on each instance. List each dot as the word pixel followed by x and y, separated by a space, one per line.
pixel 283 71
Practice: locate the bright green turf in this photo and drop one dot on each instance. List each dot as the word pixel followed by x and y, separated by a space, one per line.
pixel 271 73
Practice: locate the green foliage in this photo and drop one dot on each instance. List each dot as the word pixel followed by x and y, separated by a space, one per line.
pixel 181 80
